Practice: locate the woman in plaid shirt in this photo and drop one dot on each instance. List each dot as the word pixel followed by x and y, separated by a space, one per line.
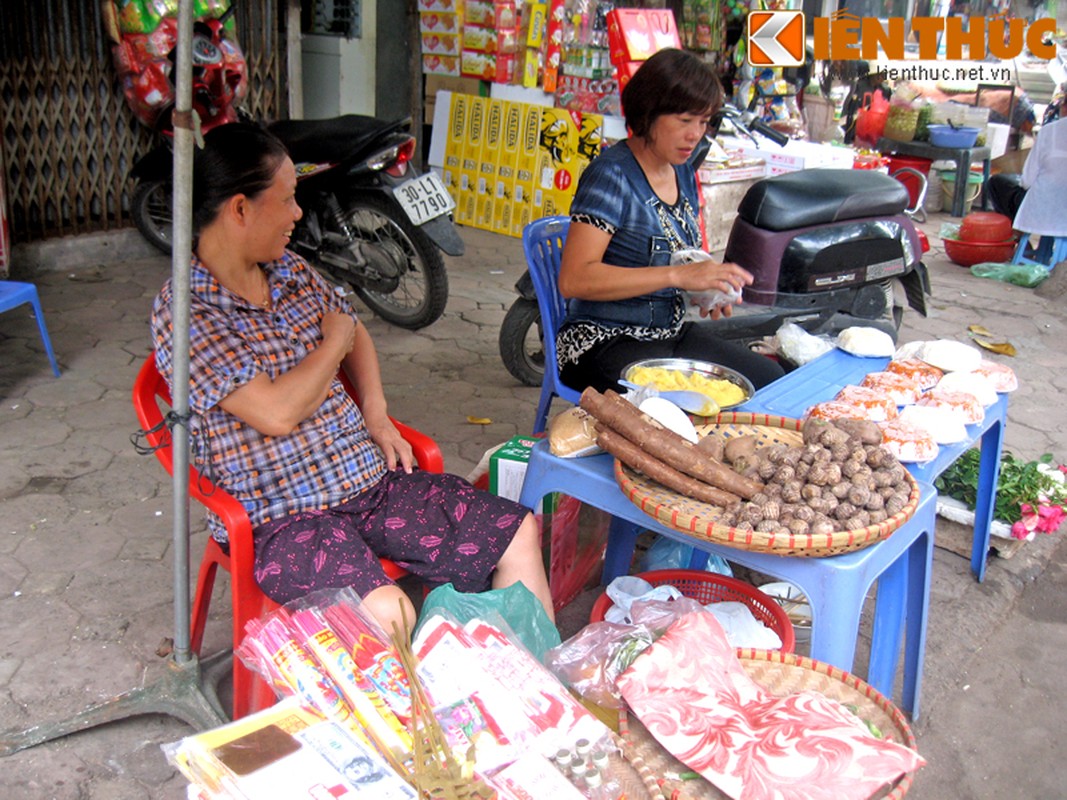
pixel 329 485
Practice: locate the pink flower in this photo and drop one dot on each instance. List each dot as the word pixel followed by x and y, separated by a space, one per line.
pixel 1049 518
pixel 1044 519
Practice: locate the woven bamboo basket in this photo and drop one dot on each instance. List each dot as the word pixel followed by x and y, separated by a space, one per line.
pixel 780 674
pixel 702 520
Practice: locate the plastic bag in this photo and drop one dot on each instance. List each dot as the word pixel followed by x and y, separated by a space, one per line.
pixel 591 660
pixel 799 346
pixel 670 554
pixel 1028 275
pixel 710 299
pixel 514 609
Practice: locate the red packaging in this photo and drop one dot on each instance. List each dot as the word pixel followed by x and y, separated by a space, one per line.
pixel 634 34
pixel 553 45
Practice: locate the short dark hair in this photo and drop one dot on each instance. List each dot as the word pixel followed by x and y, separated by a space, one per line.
pixel 238 158
pixel 670 82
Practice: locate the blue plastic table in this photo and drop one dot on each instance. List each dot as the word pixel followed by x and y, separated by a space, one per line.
pixel 819 380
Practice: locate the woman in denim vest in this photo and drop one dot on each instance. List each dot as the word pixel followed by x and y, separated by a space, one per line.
pixel 636 204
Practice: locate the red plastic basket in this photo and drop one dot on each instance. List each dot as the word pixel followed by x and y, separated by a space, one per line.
pixel 710 587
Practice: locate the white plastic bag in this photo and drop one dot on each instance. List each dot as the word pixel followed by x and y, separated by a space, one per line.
pixel 706 300
pixel 799 346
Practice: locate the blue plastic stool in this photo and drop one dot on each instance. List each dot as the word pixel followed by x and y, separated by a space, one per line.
pixel 836 586
pixel 542 243
pixel 1051 250
pixel 15 293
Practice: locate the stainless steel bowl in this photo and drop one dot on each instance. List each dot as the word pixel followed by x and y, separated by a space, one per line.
pixel 693 366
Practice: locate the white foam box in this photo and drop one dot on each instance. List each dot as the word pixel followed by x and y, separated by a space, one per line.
pixel 720 200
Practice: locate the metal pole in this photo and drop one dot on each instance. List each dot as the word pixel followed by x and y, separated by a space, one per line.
pixel 184 123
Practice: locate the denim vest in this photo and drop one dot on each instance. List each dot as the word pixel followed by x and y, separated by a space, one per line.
pixel 617 191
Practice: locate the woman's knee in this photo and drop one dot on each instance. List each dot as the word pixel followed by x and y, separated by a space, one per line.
pixel 390 606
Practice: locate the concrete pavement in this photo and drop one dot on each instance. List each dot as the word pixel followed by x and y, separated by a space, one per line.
pixel 85 531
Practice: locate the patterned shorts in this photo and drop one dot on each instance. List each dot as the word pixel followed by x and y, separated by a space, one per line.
pixel 436 526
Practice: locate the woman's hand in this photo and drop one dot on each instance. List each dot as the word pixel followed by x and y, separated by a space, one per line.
pixel 395 448
pixel 710 275
pixel 726 279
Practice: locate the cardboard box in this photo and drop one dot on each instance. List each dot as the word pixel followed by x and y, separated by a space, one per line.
pixel 487 164
pixel 433 64
pixel 445 44
pixel 794 155
pixel 449 83
pixel 561 158
pixel 526 168
pixel 440 22
pixel 507 467
pixel 504 209
pixel 456 127
pixel 740 170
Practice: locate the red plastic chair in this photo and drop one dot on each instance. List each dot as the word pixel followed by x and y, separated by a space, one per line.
pixel 250 692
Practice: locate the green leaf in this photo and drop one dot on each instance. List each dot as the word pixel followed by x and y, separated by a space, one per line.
pixel 1020 482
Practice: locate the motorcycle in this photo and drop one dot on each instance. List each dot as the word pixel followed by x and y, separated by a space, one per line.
pixel 826 249
pixel 371 220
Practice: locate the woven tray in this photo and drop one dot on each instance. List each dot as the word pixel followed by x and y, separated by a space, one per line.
pixel 780 674
pixel 702 520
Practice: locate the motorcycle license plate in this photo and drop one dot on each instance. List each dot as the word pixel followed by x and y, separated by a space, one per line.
pixel 424 198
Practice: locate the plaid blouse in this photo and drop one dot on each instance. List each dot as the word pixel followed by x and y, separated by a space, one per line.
pixel 329 457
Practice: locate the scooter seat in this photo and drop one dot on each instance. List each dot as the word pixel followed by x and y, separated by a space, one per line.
pixel 818 196
pixel 334 139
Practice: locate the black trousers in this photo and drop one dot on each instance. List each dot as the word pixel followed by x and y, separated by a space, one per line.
pixel 1005 193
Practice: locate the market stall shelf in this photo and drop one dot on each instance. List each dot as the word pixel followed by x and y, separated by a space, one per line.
pixel 836 586
pixel 964 157
pixel 822 378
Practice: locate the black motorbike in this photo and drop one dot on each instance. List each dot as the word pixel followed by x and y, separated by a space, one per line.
pixel 826 249
pixel 371 220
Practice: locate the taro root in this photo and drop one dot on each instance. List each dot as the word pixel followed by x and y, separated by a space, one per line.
pixel 896 503
pixel 813 429
pixel 859 495
pixel 878 456
pixel 864 430
pixel 712 447
pixel 840 451
pixel 740 447
pixel 840 489
pixel 844 510
pixel 791 491
pixel 823 527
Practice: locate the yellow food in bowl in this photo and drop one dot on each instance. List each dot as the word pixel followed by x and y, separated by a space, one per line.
pixel 722 391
